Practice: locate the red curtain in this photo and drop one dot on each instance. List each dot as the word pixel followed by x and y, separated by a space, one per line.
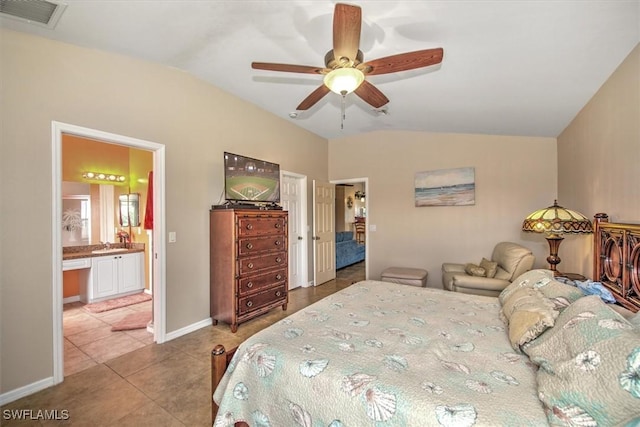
pixel 148 213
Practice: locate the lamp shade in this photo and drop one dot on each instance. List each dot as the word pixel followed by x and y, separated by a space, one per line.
pixel 556 220
pixel 343 80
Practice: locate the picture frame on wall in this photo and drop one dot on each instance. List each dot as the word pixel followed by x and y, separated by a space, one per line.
pixel 445 187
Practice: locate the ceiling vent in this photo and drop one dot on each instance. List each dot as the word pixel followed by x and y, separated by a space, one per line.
pixel 38 12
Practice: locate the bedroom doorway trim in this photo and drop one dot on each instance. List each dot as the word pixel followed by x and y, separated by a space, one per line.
pixel 159 283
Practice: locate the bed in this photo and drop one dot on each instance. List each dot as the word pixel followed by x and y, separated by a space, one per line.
pixel 385 354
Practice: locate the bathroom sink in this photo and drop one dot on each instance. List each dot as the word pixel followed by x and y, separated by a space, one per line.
pixel 109 251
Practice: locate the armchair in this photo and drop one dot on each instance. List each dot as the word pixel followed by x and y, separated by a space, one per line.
pixel 512 259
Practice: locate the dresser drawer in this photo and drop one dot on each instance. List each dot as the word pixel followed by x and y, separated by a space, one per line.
pixel 256 245
pixel 257 282
pixel 250 265
pixel 261 299
pixel 260 225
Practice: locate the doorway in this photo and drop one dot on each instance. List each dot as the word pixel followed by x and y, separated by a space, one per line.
pixel 353 212
pixel 158 283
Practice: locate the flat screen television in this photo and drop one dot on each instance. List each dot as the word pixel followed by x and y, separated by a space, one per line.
pixel 249 180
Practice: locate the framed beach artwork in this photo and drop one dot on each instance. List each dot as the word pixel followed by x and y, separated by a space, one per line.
pixel 445 187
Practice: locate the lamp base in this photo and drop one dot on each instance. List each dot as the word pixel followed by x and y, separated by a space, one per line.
pixel 553 259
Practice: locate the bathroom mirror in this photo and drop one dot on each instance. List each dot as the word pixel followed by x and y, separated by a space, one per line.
pixel 130 210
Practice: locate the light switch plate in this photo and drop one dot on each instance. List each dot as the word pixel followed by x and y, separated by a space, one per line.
pixel 172 237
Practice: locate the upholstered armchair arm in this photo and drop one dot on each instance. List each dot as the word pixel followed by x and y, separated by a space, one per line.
pixel 475 282
pixel 449 267
pixel 461 282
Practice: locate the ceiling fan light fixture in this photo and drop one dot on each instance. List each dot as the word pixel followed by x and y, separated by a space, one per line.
pixel 343 80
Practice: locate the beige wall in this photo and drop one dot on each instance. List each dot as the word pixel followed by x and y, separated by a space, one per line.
pixel 44 80
pixel 514 176
pixel 599 159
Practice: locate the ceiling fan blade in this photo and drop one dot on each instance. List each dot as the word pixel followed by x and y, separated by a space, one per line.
pixel 288 68
pixel 371 95
pixel 315 96
pixel 347 20
pixel 403 61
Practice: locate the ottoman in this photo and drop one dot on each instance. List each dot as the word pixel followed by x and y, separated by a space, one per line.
pixel 405 276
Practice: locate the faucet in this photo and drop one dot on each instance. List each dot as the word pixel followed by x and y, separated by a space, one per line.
pixel 106 244
pixel 124 237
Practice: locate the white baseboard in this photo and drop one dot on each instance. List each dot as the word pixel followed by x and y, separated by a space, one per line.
pixel 74 298
pixel 26 390
pixel 188 329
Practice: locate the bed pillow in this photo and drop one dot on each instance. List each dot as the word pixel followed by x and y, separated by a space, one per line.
pixel 635 320
pixel 475 270
pixel 490 267
pixel 589 366
pixel 528 314
pixel 525 280
pixel 622 311
pixel 560 293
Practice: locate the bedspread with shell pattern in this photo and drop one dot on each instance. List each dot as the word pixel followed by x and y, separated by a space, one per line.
pixel 382 354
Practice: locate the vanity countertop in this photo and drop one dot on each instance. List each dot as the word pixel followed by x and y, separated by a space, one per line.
pixel 89 251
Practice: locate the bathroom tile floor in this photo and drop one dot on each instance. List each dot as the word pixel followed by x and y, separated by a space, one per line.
pixel 156 384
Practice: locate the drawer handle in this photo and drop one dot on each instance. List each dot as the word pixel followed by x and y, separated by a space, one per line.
pixel 278 293
pixel 250 265
pixel 249 303
pixel 278 225
pixel 250 285
pixel 278 259
pixel 249 226
pixel 278 242
pixel 249 245
pixel 278 276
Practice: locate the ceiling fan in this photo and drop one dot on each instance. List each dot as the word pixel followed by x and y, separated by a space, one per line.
pixel 345 69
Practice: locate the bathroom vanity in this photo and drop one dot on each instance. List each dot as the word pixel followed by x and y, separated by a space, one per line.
pixel 106 273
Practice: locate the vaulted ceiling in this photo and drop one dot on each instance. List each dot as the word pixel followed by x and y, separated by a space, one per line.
pixel 510 67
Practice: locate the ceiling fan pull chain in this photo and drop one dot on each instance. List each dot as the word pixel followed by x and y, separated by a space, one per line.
pixel 342 111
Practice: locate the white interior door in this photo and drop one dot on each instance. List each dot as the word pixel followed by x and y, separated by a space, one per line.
pixel 293 200
pixel 324 234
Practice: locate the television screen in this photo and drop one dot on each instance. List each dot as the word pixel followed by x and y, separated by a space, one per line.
pixel 250 180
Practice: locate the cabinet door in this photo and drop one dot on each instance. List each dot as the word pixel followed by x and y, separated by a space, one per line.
pixel 104 273
pixel 131 273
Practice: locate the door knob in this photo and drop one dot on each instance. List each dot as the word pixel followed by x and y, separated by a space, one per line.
pixel 299 237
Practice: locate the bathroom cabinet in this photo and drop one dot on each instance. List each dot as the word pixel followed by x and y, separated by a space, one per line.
pixel 114 275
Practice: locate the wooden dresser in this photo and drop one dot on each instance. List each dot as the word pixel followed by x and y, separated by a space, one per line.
pixel 248 261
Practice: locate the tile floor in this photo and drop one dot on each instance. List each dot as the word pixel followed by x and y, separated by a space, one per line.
pixel 89 341
pixel 157 384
